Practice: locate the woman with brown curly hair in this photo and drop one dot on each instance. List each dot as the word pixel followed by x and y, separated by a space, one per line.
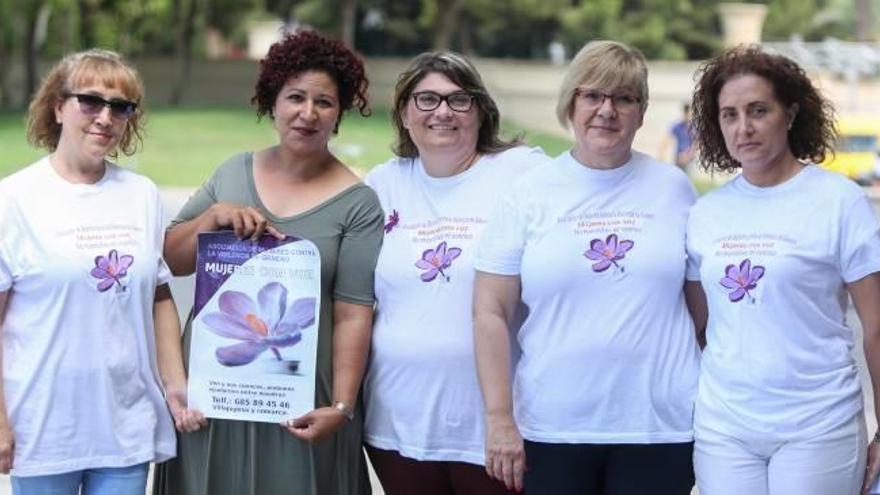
pixel 778 249
pixel 89 318
pixel 297 187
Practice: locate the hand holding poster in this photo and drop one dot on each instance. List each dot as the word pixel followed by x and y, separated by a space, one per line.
pixel 254 328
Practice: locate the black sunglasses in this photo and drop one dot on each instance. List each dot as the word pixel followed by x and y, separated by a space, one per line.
pixel 94 104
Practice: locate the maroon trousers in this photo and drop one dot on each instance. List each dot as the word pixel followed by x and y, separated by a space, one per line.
pixel 401 475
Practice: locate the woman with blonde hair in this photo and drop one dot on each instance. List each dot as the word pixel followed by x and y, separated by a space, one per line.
pixel 593 244
pixel 90 328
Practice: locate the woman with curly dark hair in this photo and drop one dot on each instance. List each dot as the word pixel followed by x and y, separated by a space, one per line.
pixel 296 188
pixel 778 249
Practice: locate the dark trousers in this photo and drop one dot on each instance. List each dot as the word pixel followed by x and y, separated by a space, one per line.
pixel 401 475
pixel 614 469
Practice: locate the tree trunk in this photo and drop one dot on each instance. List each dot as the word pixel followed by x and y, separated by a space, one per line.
pixel 348 21
pixel 186 33
pixel 87 26
pixel 6 35
pixel 863 20
pixel 37 20
pixel 446 24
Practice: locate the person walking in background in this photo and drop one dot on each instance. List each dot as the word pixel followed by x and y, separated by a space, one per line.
pixel 424 429
pixel 680 140
pixel 778 250
pixel 594 245
pixel 90 327
pixel 297 187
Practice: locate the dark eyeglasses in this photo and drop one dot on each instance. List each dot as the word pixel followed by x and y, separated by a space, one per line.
pixel 459 101
pixel 594 99
pixel 94 104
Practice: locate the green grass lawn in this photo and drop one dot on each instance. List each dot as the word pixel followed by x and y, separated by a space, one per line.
pixel 183 146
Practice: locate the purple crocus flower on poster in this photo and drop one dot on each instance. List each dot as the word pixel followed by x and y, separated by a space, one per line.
pixel 111 269
pixel 272 325
pixel 434 261
pixel 741 279
pixel 608 253
pixel 393 220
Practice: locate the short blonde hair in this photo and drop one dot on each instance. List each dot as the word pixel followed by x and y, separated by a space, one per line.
pixel 603 64
pixel 74 71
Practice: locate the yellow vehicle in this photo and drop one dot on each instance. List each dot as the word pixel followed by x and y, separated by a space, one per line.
pixel 857 151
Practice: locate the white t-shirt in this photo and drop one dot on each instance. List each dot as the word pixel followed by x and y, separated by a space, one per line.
pixel 421 390
pixel 608 347
pixel 773 262
pixel 82 262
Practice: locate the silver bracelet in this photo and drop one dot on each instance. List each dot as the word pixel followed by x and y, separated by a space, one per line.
pixel 344 409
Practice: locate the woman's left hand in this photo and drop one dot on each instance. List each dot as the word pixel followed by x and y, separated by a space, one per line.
pixel 185 420
pixel 316 425
pixel 873 466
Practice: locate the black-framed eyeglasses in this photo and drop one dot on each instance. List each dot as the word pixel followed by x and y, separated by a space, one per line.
pixel 93 105
pixel 459 101
pixel 594 98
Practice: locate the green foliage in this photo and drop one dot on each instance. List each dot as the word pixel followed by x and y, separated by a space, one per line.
pixel 662 29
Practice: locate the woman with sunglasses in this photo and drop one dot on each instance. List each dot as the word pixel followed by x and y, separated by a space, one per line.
pixel 594 245
pixel 89 326
pixel 423 429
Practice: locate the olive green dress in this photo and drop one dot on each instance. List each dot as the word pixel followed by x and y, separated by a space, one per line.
pixel 241 458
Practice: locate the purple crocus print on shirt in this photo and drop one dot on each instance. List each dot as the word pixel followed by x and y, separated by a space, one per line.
pixel 608 253
pixel 434 261
pixel 272 325
pixel 111 269
pixel 393 219
pixel 741 279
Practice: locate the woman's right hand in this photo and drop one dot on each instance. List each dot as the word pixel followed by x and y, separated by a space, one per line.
pixel 505 455
pixel 245 221
pixel 7 448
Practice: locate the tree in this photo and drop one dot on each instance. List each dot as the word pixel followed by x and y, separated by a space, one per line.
pixel 36 19
pixel 347 22
pixel 863 20
pixel 7 36
pixel 185 13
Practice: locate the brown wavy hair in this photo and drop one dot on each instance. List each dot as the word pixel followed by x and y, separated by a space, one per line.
pixel 460 71
pixel 812 132
pixel 95 66
pixel 307 50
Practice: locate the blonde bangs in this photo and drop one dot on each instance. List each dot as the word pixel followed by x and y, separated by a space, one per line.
pixel 603 65
pixel 93 71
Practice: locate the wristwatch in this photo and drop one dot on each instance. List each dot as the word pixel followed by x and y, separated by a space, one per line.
pixel 877 437
pixel 344 409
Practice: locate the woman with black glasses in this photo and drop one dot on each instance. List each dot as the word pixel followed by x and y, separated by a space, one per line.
pixel 594 245
pixel 423 429
pixel 89 323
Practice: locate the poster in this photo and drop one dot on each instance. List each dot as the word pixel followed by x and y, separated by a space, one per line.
pixel 255 328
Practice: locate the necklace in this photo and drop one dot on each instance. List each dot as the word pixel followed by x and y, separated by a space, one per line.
pixel 472 159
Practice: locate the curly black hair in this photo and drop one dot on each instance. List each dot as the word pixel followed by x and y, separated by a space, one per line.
pixel 813 131
pixel 307 50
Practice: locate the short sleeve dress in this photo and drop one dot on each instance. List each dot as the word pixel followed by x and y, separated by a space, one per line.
pixel 240 458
